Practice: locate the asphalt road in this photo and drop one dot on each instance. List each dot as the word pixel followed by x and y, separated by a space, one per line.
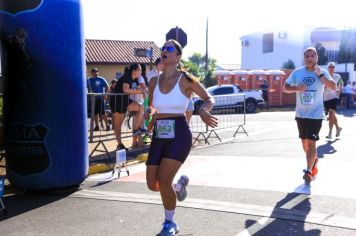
pixel 249 186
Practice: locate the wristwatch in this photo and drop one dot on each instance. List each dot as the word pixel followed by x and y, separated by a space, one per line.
pixel 321 75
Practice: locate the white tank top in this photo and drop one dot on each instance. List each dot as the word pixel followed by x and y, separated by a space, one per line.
pixel 174 102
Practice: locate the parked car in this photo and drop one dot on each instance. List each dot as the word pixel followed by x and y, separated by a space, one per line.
pixel 231 97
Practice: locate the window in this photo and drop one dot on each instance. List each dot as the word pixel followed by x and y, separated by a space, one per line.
pixel 267 43
pixel 222 91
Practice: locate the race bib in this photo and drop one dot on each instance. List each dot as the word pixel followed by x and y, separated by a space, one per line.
pixel 307 98
pixel 165 129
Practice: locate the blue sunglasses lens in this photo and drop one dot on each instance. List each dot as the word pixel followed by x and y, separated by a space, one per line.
pixel 168 49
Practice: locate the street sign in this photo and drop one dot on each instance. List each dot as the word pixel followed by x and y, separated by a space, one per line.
pixel 177 34
pixel 143 52
pixel 140 52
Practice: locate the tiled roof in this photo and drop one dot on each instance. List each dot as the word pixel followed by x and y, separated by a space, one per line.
pixel 117 51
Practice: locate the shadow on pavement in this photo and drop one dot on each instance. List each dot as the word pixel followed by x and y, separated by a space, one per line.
pixel 326 149
pixel 347 112
pixel 21 203
pixel 282 221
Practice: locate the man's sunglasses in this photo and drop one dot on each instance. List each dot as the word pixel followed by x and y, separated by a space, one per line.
pixel 331 66
pixel 168 49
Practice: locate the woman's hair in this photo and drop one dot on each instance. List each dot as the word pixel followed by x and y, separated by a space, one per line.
pixel 143 73
pixel 191 78
pixel 132 68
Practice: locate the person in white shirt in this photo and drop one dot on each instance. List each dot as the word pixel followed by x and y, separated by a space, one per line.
pixel 331 99
pixel 348 92
pixel 156 70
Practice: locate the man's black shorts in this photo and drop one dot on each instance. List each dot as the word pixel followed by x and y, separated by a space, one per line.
pixel 331 104
pixel 309 128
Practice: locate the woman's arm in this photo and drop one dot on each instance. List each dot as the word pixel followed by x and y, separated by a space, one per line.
pixel 126 89
pixel 209 102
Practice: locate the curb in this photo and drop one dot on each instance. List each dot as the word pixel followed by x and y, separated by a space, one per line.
pixel 102 167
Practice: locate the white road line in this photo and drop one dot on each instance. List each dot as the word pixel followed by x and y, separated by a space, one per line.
pixel 231 207
pixel 264 221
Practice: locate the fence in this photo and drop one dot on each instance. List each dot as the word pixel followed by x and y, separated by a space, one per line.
pixel 102 133
pixel 229 109
pixel 231 113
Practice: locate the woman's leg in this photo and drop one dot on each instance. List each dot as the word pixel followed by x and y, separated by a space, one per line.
pixel 152 178
pixel 167 170
pixel 118 119
pixel 138 109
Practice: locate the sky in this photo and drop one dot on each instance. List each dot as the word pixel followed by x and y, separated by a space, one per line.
pixel 144 20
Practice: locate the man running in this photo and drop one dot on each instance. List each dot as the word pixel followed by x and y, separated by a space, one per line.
pixel 331 100
pixel 308 82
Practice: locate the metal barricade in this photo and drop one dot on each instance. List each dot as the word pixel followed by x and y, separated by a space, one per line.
pixel 103 134
pixel 231 113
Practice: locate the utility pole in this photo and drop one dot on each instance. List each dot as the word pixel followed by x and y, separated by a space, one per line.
pixel 206 49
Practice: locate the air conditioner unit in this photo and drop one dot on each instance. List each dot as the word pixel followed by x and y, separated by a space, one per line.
pixel 282 35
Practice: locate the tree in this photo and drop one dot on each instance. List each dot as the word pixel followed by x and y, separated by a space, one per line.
pixel 196 66
pixel 321 51
pixel 289 64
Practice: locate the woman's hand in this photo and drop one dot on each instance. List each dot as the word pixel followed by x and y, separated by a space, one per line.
pixel 208 119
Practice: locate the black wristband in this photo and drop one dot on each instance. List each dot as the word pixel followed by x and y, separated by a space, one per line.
pixel 321 75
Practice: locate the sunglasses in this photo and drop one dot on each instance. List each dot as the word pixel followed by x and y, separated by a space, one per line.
pixel 168 49
pixel 331 66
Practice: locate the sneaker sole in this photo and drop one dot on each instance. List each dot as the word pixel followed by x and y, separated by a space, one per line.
pixel 182 194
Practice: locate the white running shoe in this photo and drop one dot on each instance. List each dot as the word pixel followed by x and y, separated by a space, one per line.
pixel 180 188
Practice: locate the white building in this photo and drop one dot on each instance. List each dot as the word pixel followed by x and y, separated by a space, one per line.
pixel 271 49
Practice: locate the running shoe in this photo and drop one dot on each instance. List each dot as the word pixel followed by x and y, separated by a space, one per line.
pixel 169 228
pixel 315 168
pixel 338 131
pixel 307 176
pixel 328 136
pixel 180 188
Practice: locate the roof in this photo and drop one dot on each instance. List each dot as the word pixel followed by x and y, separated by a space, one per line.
pixel 117 51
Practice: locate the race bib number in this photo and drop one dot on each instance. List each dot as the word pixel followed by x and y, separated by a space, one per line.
pixel 165 129
pixel 307 98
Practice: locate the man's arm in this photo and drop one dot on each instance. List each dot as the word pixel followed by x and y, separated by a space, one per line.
pixel 293 88
pixel 328 83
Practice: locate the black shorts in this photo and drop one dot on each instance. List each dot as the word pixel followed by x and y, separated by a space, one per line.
pixel 99 107
pixel 309 128
pixel 331 104
pixel 119 103
pixel 176 148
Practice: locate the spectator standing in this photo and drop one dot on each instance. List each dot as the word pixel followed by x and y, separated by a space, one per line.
pixel 308 82
pixel 264 88
pixel 98 84
pixel 348 91
pixel 331 100
pixel 156 70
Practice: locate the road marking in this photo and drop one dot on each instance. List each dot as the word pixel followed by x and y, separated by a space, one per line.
pixel 312 217
pixel 264 221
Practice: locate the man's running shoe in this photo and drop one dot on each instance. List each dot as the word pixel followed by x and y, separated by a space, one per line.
pixel 169 228
pixel 307 176
pixel 180 188
pixel 338 131
pixel 329 136
pixel 315 168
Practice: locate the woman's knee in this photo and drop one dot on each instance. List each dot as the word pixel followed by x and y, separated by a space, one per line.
pixel 153 185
